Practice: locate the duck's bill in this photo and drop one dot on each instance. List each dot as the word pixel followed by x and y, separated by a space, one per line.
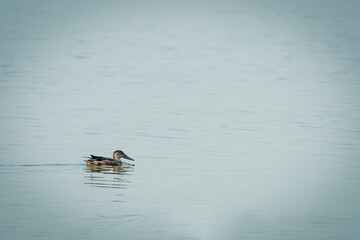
pixel 127 157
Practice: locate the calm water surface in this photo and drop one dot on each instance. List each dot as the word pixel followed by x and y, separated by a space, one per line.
pixel 242 116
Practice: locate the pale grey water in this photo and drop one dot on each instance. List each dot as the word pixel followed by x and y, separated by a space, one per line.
pixel 243 118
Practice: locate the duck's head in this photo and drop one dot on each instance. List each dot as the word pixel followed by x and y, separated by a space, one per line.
pixel 120 154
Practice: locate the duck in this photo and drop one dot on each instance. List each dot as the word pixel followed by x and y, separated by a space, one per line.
pixel 115 161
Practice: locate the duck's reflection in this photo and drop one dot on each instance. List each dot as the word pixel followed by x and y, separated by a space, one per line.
pixel 109 176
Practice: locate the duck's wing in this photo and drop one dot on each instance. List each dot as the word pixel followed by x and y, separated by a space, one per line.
pixel 93 157
pixel 97 159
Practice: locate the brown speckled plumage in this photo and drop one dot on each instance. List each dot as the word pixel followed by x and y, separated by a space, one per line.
pixel 116 160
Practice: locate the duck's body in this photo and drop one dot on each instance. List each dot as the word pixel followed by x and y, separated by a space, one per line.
pixel 115 161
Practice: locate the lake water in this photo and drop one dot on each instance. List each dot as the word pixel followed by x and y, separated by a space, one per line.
pixel 243 118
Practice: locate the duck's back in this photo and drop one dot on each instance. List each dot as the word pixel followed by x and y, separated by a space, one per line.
pixel 99 158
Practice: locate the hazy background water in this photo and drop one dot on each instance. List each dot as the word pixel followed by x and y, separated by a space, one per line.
pixel 243 118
